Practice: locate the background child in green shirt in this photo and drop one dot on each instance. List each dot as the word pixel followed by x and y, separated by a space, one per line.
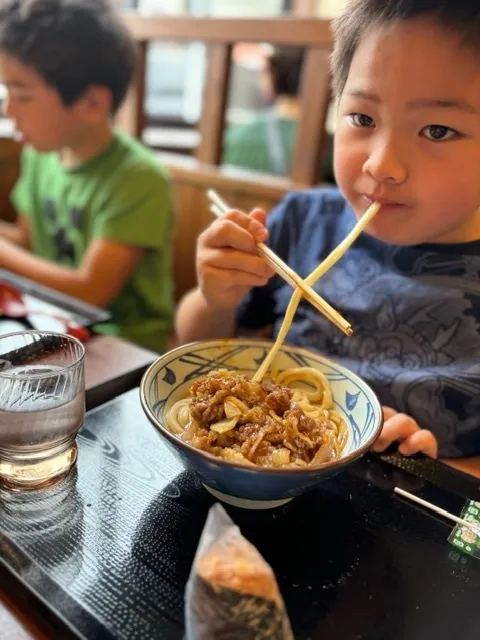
pixel 266 142
pixel 94 210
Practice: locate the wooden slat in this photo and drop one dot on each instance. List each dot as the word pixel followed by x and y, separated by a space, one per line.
pixel 288 31
pixel 191 219
pixel 131 117
pixel 21 620
pixel 307 157
pixel 215 97
pixel 259 185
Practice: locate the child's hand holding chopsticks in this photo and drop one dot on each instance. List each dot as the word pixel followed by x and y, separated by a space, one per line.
pixel 228 264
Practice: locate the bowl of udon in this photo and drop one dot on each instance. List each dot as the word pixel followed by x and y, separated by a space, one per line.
pixel 259 443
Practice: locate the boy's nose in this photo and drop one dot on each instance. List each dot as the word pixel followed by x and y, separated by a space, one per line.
pixel 384 165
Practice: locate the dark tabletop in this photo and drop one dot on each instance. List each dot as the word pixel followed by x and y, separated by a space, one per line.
pixel 107 553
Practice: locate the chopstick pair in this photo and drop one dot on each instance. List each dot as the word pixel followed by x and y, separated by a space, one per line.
pixel 433 507
pixel 219 208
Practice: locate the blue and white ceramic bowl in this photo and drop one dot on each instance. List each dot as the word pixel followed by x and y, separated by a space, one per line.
pixel 171 376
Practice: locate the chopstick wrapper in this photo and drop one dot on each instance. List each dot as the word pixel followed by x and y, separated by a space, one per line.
pixel 465 539
pixel 232 591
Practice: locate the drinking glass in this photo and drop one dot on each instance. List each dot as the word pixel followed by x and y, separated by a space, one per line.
pixel 42 407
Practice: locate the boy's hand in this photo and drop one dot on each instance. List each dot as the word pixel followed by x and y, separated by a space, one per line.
pixel 228 264
pixel 399 427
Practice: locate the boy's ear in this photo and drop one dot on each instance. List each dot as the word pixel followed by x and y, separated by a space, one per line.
pixel 96 102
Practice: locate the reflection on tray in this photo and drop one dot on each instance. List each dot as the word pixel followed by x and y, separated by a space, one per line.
pixel 45 309
pixel 10 326
pixel 40 322
pixel 40 298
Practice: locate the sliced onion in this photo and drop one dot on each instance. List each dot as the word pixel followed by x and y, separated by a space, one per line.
pixel 324 454
pixel 224 425
pixel 234 456
pixel 190 431
pixel 280 457
pixel 234 407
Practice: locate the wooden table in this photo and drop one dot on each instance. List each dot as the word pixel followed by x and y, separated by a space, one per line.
pixel 112 367
pixel 15 623
pixel 467 465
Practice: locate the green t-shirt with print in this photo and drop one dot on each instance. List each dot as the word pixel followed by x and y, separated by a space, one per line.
pixel 122 194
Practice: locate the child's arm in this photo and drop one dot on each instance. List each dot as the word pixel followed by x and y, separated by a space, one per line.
pixel 16 232
pixel 399 427
pixel 195 320
pixel 106 268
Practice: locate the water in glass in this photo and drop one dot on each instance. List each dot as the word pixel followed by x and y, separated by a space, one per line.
pixel 42 407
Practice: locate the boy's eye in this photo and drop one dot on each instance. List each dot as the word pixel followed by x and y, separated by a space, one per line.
pixel 361 120
pixel 22 98
pixel 439 133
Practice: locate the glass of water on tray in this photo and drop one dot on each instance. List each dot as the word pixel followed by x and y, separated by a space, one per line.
pixel 42 407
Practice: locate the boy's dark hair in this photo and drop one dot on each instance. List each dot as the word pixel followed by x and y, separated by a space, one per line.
pixel 461 17
pixel 72 44
pixel 285 65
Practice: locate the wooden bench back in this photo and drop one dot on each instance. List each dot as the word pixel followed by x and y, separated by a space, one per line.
pixel 241 189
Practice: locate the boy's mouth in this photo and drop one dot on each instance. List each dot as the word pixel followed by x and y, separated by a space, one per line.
pixel 385 202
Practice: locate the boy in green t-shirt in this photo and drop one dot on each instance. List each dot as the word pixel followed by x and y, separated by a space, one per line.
pixel 94 210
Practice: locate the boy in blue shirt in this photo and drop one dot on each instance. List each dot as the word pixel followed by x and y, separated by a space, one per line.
pixel 407 77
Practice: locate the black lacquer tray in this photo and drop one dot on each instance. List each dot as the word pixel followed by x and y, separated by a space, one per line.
pixel 107 553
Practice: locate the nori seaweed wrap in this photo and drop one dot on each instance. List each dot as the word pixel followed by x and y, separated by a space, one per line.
pixel 232 593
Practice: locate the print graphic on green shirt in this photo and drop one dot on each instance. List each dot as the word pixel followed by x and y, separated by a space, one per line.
pixel 122 194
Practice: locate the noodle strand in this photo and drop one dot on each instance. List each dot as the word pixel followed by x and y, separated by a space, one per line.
pixel 329 261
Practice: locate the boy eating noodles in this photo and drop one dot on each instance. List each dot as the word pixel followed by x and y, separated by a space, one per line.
pixel 94 210
pixel 407 79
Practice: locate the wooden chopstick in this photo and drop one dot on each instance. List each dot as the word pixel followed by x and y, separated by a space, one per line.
pixel 342 248
pixel 433 507
pixel 295 281
pixel 219 208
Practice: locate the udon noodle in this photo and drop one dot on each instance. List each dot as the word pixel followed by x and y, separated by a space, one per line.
pixel 274 423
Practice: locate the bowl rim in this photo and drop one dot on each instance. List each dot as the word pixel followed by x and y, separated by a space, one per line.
pixel 209 457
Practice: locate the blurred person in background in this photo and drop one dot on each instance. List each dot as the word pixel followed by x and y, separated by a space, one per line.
pixel 266 142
